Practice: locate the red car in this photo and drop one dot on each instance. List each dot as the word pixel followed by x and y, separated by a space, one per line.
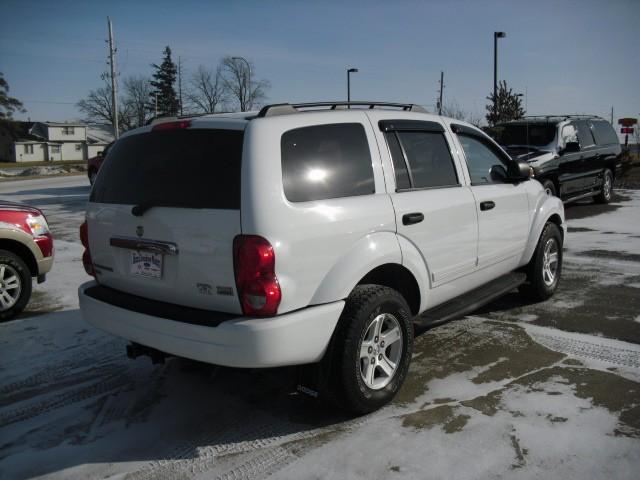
pixel 26 251
pixel 94 164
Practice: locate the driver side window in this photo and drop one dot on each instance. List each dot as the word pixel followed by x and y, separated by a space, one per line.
pixel 480 159
pixel 569 134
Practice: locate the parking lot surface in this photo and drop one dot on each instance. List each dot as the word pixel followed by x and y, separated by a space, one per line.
pixel 518 390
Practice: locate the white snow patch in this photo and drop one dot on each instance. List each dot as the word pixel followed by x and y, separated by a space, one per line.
pixel 527 317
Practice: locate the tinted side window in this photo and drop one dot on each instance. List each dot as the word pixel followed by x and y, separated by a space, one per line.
pixel 326 161
pixel 584 135
pixel 480 158
pixel 429 159
pixel 605 135
pixel 399 165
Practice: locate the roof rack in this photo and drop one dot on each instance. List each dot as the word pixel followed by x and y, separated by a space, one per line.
pixel 287 108
pixel 560 116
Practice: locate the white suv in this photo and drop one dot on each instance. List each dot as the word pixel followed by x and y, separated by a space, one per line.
pixel 312 234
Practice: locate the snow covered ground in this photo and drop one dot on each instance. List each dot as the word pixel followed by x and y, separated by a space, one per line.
pixel 550 390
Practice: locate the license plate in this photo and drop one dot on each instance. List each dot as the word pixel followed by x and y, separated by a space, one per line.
pixel 146 264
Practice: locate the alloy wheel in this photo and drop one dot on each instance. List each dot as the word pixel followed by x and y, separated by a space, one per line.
pixel 10 287
pixel 550 262
pixel 380 351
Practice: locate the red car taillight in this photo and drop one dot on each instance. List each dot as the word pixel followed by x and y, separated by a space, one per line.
pixel 254 263
pixel 86 256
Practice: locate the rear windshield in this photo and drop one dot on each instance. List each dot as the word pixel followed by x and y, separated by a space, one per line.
pixel 176 168
pixel 533 134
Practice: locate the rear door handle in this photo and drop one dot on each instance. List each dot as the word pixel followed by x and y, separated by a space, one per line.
pixel 411 218
pixel 488 205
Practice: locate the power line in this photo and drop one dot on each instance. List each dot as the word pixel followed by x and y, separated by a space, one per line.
pixel 48 101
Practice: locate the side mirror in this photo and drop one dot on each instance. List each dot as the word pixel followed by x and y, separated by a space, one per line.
pixel 498 173
pixel 571 147
pixel 519 171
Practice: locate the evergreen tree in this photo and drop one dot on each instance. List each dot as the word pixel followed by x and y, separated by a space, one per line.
pixel 8 104
pixel 162 85
pixel 509 105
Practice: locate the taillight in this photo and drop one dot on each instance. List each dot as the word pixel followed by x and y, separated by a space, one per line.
pixel 86 256
pixel 254 263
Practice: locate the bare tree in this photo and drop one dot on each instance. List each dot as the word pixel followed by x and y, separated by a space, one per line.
pixel 454 110
pixel 238 78
pixel 97 107
pixel 136 99
pixel 207 90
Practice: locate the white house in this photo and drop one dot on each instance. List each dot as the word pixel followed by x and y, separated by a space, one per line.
pixel 53 141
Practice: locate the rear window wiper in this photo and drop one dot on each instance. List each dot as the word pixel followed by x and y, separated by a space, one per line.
pixel 142 207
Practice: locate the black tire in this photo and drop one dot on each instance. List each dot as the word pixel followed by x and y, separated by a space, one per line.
pixel 550 188
pixel 9 263
pixel 538 286
pixel 607 187
pixel 347 387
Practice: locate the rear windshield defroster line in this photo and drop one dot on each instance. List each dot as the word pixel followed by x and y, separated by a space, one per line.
pixel 191 168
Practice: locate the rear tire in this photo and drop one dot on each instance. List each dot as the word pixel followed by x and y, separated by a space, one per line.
pixel 545 267
pixel 367 372
pixel 15 285
pixel 607 187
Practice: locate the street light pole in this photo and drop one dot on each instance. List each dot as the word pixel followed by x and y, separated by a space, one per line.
pixel 248 86
pixel 349 72
pixel 496 36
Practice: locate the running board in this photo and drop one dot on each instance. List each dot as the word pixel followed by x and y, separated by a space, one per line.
pixel 582 196
pixel 470 301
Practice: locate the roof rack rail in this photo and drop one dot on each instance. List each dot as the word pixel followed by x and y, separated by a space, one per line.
pixel 563 116
pixel 287 108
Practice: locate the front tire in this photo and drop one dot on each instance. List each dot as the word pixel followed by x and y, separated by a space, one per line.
pixel 607 187
pixel 545 268
pixel 372 349
pixel 549 188
pixel 15 285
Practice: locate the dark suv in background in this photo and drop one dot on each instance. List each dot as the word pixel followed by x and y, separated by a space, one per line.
pixel 573 156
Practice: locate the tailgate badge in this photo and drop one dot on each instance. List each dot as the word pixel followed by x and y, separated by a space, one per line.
pixel 204 289
pixel 140 230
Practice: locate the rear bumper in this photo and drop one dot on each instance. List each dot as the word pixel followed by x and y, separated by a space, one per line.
pixel 290 339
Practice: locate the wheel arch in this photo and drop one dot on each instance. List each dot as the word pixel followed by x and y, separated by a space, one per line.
pixel 376 258
pixel 21 250
pixel 400 279
pixel 550 209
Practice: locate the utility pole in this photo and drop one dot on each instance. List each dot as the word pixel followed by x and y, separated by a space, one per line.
pixel 114 92
pixel 441 90
pixel 180 83
pixel 612 116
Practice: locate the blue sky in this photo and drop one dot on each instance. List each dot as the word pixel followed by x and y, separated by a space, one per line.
pixel 569 56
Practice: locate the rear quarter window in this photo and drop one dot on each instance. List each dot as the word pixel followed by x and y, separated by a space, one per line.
pixel 604 133
pixel 326 161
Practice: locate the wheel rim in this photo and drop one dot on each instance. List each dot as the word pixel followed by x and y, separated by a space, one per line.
pixel 10 287
pixel 606 189
pixel 380 351
pixel 550 262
